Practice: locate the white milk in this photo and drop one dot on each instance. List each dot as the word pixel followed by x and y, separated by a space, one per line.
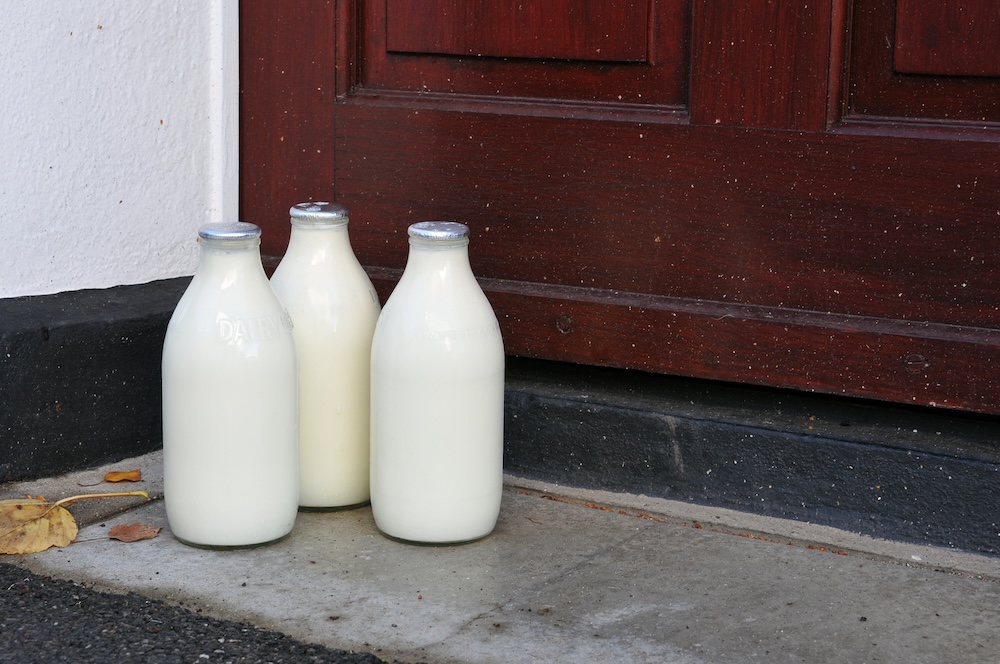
pixel 333 307
pixel 437 397
pixel 230 412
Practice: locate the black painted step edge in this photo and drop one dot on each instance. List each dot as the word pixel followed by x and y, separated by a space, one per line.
pixel 80 377
pixel 885 471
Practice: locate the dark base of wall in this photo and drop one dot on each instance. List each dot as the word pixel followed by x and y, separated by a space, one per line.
pixel 80 377
pixel 80 386
pixel 887 471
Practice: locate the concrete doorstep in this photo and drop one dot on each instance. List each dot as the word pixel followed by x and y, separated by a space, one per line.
pixel 567 576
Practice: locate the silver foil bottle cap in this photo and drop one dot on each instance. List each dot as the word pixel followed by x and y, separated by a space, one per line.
pixel 318 212
pixel 439 230
pixel 236 230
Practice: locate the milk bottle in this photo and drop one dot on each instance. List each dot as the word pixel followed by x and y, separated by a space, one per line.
pixel 230 411
pixel 333 308
pixel 437 397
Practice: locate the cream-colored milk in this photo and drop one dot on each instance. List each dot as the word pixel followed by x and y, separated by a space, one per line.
pixel 437 403
pixel 230 407
pixel 333 307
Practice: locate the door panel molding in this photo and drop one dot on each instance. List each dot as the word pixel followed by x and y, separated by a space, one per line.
pixel 930 363
pixel 592 30
pixel 658 79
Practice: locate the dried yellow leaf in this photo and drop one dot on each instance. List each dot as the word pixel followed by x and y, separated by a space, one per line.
pixel 123 476
pixel 32 525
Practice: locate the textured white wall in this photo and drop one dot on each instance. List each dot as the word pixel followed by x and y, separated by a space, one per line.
pixel 117 139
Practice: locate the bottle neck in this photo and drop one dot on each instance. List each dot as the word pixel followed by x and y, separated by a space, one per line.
pixel 319 241
pixel 231 256
pixel 442 258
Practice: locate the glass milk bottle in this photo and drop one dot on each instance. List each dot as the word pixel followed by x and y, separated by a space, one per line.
pixel 437 397
pixel 230 408
pixel 333 308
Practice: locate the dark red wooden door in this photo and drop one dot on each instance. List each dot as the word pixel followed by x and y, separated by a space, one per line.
pixel 803 195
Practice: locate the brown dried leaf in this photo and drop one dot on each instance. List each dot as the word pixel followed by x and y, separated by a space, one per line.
pixel 123 476
pixel 133 532
pixel 32 525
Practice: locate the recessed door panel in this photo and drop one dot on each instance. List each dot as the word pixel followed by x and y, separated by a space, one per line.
pixel 536 29
pixel 954 38
pixel 570 51
pixel 925 61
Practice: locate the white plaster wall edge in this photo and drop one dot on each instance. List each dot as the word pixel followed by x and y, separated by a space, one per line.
pixel 224 84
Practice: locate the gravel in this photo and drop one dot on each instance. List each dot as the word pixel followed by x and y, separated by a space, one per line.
pixel 51 620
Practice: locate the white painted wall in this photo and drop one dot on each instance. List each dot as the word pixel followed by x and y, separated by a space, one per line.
pixel 118 130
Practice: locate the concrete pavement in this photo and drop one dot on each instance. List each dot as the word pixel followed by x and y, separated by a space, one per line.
pixel 568 576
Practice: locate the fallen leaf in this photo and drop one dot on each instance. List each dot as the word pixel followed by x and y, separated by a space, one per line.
pixel 118 476
pixel 133 532
pixel 123 476
pixel 30 525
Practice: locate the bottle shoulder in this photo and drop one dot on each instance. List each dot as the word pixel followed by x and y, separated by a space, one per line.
pixel 321 271
pixel 209 299
pixel 445 316
pixel 424 292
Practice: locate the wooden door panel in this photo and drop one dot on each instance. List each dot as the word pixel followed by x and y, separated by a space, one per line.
pixel 548 29
pixel 954 38
pixel 916 363
pixel 946 91
pixel 828 223
pixel 764 66
pixel 804 216
pixel 287 88
pixel 836 284
pixel 415 46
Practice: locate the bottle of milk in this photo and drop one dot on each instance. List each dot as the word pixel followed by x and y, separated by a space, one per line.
pixel 333 308
pixel 437 397
pixel 230 406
